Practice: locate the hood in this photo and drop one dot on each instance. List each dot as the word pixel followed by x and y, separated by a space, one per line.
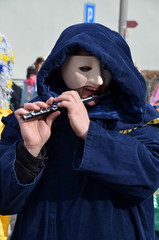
pixel 126 100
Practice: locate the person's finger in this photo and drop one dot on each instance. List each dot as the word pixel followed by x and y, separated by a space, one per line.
pixel 68 96
pixel 19 113
pixel 50 101
pixel 36 106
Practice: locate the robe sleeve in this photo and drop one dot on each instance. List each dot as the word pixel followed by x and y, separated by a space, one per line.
pixel 127 163
pixel 10 187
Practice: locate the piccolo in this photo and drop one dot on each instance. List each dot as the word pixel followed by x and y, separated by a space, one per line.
pixel 54 108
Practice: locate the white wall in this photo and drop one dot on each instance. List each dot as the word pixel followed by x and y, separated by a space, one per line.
pixel 32 27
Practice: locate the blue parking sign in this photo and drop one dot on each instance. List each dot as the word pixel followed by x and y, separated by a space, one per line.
pixel 89 12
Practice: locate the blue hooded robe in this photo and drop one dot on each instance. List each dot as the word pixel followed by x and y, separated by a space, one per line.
pixel 101 188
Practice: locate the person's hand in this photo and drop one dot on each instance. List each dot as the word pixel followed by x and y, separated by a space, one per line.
pixel 77 113
pixel 35 132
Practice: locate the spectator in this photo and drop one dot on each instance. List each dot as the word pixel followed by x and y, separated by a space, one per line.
pixel 30 86
pixel 35 67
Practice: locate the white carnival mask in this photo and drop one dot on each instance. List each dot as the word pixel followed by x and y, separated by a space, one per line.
pixel 80 71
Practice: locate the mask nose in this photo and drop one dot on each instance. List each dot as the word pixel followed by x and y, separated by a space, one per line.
pixel 95 80
pixel 99 80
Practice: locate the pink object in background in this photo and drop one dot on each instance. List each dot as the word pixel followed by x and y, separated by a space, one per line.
pixel 31 80
pixel 155 96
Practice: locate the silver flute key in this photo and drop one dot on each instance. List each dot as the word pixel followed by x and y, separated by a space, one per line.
pixel 54 108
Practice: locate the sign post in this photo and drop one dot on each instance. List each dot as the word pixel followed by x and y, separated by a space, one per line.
pixel 123 16
pixel 89 12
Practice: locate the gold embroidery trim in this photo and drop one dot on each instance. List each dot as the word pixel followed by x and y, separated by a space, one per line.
pixel 153 121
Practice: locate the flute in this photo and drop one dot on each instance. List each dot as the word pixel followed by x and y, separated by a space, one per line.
pixel 54 108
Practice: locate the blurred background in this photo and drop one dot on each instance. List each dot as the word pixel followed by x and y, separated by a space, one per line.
pixel 33 26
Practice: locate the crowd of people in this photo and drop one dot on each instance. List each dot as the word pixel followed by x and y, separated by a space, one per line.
pixel 89 168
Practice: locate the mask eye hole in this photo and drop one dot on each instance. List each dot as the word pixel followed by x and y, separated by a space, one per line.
pixel 85 68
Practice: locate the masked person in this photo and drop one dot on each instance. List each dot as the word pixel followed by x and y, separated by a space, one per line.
pixel 88 170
